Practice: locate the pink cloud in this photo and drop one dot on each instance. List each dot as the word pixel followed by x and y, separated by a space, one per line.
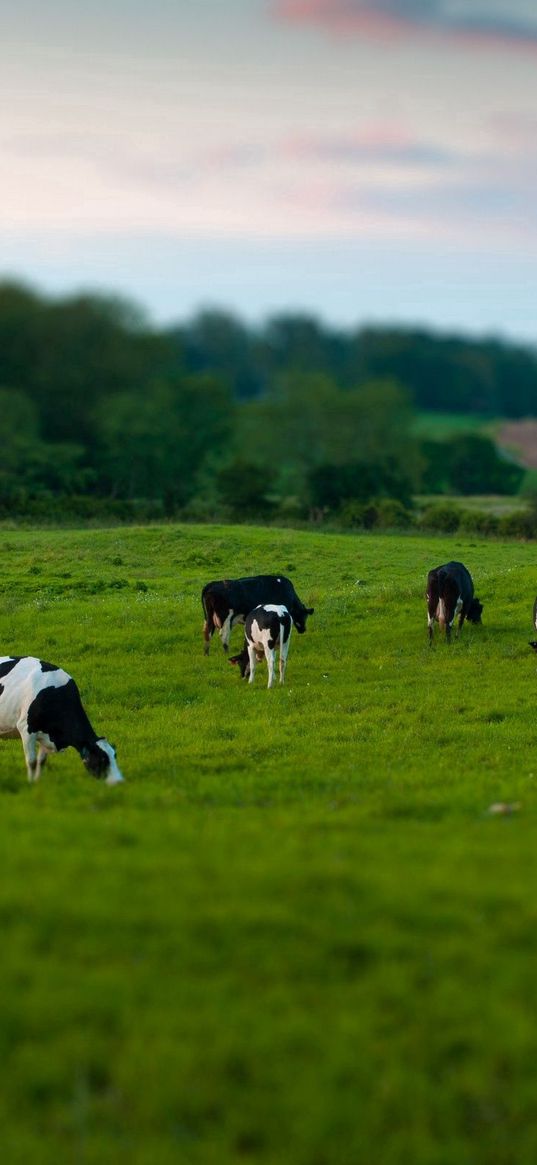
pixel 401 19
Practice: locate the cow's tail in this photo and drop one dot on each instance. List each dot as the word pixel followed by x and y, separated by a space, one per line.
pixel 208 626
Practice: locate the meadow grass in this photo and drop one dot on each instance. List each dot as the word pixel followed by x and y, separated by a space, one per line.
pixel 295 933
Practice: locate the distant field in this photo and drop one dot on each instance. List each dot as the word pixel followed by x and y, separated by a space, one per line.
pixel 498 504
pixel 295 933
pixel 442 425
pixel 520 437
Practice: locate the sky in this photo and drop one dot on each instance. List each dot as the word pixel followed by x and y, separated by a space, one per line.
pixel 363 161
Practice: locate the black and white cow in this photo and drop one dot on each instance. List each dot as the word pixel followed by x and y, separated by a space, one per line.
pixel 533 642
pixel 450 592
pixel 229 601
pixel 41 703
pixel 267 629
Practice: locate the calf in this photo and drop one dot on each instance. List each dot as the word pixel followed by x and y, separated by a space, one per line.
pixel 267 630
pixel 450 592
pixel 229 601
pixel 41 703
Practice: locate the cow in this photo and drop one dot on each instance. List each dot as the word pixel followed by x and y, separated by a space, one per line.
pixel 533 642
pixel 267 629
pixel 229 601
pixel 40 703
pixel 450 592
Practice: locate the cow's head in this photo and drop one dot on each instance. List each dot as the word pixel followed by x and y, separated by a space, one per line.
pixel 242 662
pixel 474 612
pixel 100 761
pixel 299 618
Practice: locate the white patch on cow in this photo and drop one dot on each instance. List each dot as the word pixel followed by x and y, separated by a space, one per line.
pixel 457 611
pixel 114 775
pixel 21 685
pixel 225 630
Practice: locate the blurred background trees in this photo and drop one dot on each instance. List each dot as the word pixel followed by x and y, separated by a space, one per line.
pixel 214 417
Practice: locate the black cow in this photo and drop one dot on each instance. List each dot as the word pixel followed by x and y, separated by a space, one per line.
pixel 534 641
pixel 40 703
pixel 450 592
pixel 229 601
pixel 267 629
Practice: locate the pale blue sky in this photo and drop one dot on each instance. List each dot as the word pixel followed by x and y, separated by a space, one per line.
pixel 364 160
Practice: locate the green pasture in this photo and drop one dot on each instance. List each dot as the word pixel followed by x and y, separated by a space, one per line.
pixel 295 934
pixel 440 426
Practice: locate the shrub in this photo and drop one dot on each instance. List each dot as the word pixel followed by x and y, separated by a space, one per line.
pixel 521 524
pixel 440 516
pixel 478 522
pixel 392 514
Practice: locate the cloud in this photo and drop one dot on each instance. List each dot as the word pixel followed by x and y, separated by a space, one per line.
pixel 376 146
pixel 468 207
pixel 509 24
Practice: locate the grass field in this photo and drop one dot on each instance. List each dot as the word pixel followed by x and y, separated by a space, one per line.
pixel 295 933
pixel 440 426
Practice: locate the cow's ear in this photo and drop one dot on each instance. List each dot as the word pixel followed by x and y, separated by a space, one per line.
pixel 310 610
pixel 84 752
pixel 233 659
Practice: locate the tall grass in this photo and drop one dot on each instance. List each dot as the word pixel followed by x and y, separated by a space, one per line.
pixel 295 933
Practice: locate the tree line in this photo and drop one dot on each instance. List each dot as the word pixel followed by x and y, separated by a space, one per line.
pixel 213 418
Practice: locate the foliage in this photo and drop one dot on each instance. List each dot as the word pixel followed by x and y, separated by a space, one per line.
pixel 96 402
pixel 244 488
pixel 441 516
pixel 468 463
pixel 295 933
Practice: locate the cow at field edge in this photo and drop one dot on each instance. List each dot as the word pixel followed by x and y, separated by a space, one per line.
pixel 229 601
pixel 41 703
pixel 533 642
pixel 450 592
pixel 267 629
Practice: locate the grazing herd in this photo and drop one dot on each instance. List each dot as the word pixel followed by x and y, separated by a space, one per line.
pixel 230 600
pixel 40 703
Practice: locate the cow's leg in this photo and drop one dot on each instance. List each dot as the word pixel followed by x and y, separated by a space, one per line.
pixel 207 636
pixel 252 661
pixel 225 630
pixel 29 744
pixel 459 610
pixel 270 656
pixel 42 756
pixel 430 625
pixel 284 651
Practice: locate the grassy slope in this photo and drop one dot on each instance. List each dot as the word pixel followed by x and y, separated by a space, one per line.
pixel 294 933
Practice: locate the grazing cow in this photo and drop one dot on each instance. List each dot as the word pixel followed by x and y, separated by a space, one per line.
pixel 41 703
pixel 450 592
pixel 267 629
pixel 533 642
pixel 229 601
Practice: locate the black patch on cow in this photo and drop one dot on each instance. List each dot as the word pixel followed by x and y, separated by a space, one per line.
pixel 1 689
pixel 59 713
pixel 96 760
pixel 8 664
pixel 48 666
